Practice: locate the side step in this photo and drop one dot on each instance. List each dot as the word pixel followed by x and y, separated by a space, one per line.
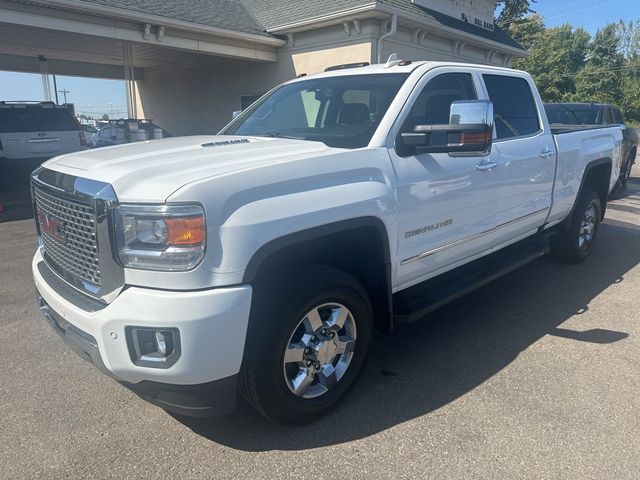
pixel 415 302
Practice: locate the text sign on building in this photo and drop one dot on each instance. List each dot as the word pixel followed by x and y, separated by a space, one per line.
pixel 478 12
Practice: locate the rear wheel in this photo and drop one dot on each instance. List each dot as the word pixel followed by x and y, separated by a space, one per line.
pixel 574 241
pixel 307 343
pixel 626 174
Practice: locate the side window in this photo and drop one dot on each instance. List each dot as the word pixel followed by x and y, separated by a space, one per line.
pixel 617 116
pixel 433 105
pixel 608 118
pixel 514 107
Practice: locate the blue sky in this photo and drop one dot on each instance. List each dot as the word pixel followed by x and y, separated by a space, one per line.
pixel 590 14
pixel 95 96
pixel 89 95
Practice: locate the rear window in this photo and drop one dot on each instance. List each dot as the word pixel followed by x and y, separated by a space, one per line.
pixel 34 118
pixel 571 114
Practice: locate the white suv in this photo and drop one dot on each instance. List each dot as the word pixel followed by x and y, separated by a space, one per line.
pixel 38 129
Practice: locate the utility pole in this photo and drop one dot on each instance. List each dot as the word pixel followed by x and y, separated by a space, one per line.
pixel 64 92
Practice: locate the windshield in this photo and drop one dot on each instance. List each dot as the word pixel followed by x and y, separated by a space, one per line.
pixel 573 114
pixel 341 111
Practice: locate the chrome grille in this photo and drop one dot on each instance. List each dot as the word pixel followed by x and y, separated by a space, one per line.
pixel 77 252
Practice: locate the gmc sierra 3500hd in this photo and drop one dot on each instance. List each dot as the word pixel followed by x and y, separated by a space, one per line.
pixel 261 259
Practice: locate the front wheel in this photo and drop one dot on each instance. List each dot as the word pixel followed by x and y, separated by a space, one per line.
pixel 307 342
pixel 574 241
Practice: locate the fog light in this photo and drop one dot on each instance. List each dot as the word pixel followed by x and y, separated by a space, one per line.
pixel 153 347
pixel 161 343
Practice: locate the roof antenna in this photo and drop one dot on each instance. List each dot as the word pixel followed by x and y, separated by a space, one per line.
pixel 392 61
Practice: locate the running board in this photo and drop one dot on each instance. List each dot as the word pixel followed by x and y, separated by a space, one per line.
pixel 415 302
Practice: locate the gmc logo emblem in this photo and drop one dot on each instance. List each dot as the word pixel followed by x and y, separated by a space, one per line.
pixel 52 226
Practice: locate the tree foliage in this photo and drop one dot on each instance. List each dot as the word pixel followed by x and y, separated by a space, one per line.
pixel 600 80
pixel 513 10
pixel 557 56
pixel 570 65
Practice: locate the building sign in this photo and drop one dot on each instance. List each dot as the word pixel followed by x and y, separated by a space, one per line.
pixel 478 12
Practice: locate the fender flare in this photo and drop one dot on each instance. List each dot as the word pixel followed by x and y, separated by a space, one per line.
pixel 590 166
pixel 384 319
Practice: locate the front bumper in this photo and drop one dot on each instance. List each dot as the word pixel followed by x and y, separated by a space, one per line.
pixel 212 324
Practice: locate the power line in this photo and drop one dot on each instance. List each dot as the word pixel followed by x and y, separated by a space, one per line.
pixel 521 20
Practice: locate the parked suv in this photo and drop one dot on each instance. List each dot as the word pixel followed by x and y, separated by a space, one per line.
pixel 38 129
pixel 590 114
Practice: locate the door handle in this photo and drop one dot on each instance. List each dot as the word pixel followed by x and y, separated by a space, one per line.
pixel 486 166
pixel 546 153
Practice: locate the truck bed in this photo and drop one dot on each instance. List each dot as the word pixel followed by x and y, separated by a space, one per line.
pixel 561 129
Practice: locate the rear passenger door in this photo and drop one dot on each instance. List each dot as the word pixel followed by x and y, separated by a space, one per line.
pixel 524 152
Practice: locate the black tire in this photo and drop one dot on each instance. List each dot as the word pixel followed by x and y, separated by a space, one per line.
pixel 275 314
pixel 566 245
pixel 626 173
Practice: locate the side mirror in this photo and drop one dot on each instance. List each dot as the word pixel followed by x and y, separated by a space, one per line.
pixel 469 132
pixel 235 114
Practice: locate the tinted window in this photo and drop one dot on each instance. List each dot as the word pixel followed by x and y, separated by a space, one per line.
pixel 572 114
pixel 433 105
pixel 341 111
pixel 608 118
pixel 617 117
pixel 513 106
pixel 34 118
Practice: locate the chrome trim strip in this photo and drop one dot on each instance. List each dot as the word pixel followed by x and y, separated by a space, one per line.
pixel 428 253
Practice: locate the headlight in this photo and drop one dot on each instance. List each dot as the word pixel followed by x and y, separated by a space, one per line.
pixel 160 237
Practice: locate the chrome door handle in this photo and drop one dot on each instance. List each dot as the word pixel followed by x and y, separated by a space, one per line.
pixel 486 166
pixel 546 153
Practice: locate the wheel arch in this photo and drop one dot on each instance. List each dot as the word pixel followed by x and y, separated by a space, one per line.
pixel 597 176
pixel 358 246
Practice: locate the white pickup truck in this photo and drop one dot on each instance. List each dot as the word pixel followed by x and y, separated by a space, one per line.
pixel 261 260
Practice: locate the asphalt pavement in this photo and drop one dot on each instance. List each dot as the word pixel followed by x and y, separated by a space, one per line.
pixel 534 376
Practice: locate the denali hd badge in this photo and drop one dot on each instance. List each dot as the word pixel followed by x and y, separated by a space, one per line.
pixel 52 226
pixel 428 228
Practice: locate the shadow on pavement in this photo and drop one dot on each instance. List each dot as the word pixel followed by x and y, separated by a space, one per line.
pixel 424 366
pixel 15 195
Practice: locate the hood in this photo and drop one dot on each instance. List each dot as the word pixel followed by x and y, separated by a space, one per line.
pixel 151 171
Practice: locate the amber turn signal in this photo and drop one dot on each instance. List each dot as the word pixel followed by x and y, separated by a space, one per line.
pixel 185 230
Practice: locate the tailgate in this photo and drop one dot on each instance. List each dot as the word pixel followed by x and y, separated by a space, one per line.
pixel 39 144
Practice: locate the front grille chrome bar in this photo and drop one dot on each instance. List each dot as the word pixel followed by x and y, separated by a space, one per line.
pixel 81 251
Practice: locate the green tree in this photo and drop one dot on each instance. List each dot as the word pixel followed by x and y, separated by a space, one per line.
pixel 513 10
pixel 629 33
pixel 528 31
pixel 601 78
pixel 558 54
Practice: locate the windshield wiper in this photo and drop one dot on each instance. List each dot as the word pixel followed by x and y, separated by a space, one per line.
pixel 274 134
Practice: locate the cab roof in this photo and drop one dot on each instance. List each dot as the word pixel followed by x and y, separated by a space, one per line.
pixel 397 66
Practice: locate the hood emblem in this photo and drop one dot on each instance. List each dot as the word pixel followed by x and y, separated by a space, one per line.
pixel 223 143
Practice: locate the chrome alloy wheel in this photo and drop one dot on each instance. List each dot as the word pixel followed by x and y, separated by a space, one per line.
pixel 319 350
pixel 587 227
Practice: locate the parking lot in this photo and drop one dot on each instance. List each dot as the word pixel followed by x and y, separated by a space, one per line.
pixel 532 376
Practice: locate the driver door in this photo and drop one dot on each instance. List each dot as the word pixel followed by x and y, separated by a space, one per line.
pixel 446 203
